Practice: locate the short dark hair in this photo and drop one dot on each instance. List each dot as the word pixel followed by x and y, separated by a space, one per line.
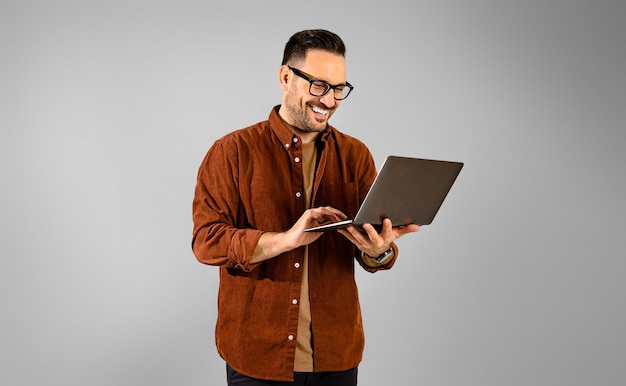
pixel 298 45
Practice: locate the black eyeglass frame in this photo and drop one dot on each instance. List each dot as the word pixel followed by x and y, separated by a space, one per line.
pixel 328 85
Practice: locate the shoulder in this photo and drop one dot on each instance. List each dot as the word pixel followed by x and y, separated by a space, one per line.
pixel 226 152
pixel 244 135
pixel 242 141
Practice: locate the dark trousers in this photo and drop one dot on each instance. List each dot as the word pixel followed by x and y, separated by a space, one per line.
pixel 330 378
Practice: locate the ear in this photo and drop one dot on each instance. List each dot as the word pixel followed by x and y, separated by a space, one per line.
pixel 284 75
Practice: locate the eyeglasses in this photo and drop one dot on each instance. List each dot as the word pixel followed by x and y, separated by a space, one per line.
pixel 320 88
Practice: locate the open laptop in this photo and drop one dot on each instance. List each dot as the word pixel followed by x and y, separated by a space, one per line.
pixel 406 190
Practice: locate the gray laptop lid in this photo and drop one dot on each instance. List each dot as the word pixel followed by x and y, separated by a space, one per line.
pixel 406 190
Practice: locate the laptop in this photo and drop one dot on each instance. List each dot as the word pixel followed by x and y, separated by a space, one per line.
pixel 406 190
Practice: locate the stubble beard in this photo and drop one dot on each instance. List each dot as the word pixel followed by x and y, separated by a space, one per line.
pixel 302 119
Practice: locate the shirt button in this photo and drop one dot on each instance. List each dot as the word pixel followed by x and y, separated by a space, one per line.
pixel 295 139
pixel 297 159
pixel 294 301
pixel 298 194
pixel 297 265
pixel 290 337
pixel 287 145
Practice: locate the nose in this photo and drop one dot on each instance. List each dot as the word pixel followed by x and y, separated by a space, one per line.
pixel 328 99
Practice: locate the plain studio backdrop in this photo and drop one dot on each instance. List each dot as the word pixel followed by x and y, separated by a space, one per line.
pixel 108 107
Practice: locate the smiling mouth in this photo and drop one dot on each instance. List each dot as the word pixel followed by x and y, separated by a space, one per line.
pixel 319 111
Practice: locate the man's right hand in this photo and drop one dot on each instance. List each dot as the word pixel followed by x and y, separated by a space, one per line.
pixel 312 218
pixel 272 244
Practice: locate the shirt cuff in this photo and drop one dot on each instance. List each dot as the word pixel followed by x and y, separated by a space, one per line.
pixel 381 259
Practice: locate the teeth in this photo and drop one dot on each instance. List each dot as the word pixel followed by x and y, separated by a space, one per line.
pixel 319 111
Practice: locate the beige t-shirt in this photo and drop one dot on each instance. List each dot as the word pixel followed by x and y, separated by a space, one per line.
pixel 304 348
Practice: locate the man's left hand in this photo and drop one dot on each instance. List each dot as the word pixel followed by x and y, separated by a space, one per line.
pixel 372 243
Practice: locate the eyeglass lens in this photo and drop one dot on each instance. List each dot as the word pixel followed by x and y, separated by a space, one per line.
pixel 319 88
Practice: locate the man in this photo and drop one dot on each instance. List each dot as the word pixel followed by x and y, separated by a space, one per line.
pixel 288 308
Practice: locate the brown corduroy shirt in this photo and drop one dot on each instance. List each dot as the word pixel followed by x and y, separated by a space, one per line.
pixel 250 182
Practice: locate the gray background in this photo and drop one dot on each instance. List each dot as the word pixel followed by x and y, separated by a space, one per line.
pixel 109 107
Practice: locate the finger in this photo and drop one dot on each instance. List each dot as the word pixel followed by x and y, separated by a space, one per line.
pixel 387 229
pixel 374 241
pixel 371 232
pixel 356 236
pixel 401 231
pixel 325 214
pixel 330 211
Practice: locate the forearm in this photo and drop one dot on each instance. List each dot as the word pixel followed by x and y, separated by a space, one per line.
pixel 219 244
pixel 270 245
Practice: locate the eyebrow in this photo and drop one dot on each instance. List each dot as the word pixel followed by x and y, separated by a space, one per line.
pixel 318 79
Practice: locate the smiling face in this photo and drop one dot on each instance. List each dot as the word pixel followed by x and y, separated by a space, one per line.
pixel 306 112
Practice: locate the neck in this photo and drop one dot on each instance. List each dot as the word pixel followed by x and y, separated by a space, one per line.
pixel 305 136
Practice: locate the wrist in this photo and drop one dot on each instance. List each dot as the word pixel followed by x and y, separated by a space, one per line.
pixel 380 259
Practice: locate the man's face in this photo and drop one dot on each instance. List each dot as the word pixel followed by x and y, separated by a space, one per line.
pixel 303 110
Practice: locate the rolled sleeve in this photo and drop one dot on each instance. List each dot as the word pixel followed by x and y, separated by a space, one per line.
pixel 217 238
